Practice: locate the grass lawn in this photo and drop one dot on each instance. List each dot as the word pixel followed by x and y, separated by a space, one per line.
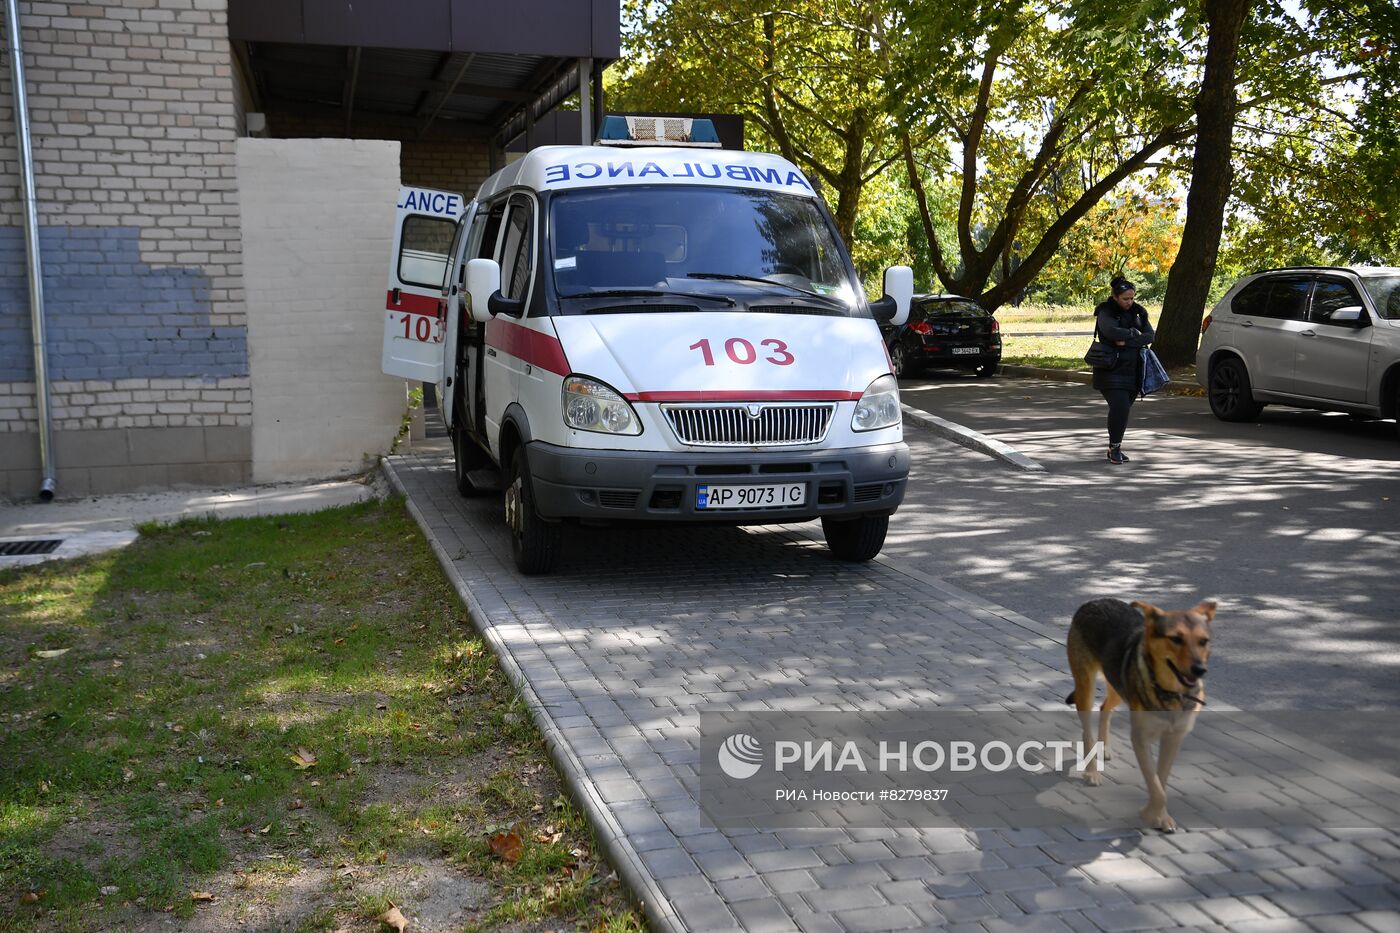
pixel 1054 351
pixel 274 722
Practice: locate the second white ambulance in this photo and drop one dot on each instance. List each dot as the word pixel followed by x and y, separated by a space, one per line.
pixel 651 334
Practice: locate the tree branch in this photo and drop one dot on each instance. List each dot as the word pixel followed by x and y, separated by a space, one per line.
pixel 916 182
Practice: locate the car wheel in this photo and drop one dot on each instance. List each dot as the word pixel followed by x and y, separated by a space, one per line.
pixel 900 359
pixel 858 539
pixel 1230 396
pixel 534 542
pixel 1397 407
pixel 983 370
pixel 467 456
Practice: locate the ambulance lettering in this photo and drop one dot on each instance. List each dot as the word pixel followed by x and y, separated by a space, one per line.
pixel 432 202
pixel 584 171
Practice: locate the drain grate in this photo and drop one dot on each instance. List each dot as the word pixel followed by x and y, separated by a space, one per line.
pixel 25 548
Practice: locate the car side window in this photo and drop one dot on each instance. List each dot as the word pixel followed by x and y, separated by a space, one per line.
pixel 1288 299
pixel 1330 296
pixel 516 249
pixel 1253 299
pixel 484 231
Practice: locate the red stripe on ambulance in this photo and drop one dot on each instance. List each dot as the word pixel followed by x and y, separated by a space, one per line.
pixel 749 395
pixel 524 343
pixel 413 304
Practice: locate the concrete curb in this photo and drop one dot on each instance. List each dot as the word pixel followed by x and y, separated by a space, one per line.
pixel 619 850
pixel 1175 387
pixel 973 440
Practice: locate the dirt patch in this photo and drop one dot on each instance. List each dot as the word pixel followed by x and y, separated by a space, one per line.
pixel 91 842
pixel 435 896
pixel 396 784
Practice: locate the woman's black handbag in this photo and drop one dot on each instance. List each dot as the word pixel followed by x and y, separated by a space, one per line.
pixel 1101 355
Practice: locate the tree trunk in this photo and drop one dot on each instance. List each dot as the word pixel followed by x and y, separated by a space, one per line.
pixel 1188 283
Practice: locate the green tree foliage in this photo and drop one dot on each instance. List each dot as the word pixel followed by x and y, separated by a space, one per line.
pixel 997 144
pixel 1042 110
pixel 1135 234
pixel 809 79
pixel 1317 147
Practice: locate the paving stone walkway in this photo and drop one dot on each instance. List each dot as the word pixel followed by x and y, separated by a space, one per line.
pixel 641 629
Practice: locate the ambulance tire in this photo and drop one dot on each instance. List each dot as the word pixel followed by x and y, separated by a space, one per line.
pixel 858 539
pixel 467 456
pixel 534 542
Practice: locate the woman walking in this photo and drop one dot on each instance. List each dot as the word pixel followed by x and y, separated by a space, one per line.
pixel 1121 323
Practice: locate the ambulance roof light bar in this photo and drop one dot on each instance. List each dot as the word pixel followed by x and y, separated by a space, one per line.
pixel 697 133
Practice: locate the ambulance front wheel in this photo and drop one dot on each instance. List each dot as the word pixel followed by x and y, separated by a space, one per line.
pixel 534 542
pixel 855 539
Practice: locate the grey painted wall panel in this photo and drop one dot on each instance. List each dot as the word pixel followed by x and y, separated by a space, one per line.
pixel 110 315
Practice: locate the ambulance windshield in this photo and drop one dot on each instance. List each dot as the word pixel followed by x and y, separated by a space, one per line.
pixel 761 247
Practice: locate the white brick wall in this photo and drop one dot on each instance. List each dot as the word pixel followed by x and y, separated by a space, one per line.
pixel 318 218
pixel 94 405
pixel 134 111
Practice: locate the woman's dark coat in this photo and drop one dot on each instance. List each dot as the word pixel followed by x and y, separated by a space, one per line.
pixel 1129 325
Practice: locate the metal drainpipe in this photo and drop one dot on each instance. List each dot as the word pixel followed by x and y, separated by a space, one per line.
pixel 31 248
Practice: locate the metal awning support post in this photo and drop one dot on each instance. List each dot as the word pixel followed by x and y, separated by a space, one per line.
pixel 585 100
pixel 31 248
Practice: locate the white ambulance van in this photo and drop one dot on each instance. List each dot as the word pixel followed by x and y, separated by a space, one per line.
pixel 653 334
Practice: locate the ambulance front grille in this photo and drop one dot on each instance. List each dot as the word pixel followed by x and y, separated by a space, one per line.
pixel 745 425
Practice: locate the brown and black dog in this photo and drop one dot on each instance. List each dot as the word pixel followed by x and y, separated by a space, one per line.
pixel 1156 661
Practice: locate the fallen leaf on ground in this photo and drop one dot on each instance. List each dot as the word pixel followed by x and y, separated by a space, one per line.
pixel 507 846
pixel 29 897
pixel 303 759
pixel 265 830
pixel 52 653
pixel 204 896
pixel 382 857
pixel 295 804
pixel 394 918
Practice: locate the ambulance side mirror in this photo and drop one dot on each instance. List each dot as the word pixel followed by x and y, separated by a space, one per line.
pixel 893 308
pixel 483 281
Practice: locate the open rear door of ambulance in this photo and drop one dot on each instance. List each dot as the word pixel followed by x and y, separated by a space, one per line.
pixel 415 318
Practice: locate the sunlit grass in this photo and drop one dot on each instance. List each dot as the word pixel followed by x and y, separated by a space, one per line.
pixel 156 753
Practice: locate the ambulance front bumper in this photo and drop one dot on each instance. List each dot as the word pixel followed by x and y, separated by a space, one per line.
pixel 628 485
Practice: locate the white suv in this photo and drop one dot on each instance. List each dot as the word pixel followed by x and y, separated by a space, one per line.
pixel 1310 337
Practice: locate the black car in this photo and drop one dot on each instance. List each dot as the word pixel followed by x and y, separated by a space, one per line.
pixel 945 331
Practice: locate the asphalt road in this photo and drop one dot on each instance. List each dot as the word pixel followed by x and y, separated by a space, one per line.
pixel 1291 523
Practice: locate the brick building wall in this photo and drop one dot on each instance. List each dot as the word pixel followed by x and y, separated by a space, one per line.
pixel 134 116
pixel 460 167
pixel 448 164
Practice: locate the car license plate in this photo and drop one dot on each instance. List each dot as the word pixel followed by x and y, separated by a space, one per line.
pixel 957 351
pixel 776 496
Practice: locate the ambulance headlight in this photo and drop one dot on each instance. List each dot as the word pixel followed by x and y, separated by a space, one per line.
pixel 592 406
pixel 878 406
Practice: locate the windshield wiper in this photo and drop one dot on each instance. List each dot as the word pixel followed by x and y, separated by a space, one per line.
pixel 649 293
pixel 727 277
